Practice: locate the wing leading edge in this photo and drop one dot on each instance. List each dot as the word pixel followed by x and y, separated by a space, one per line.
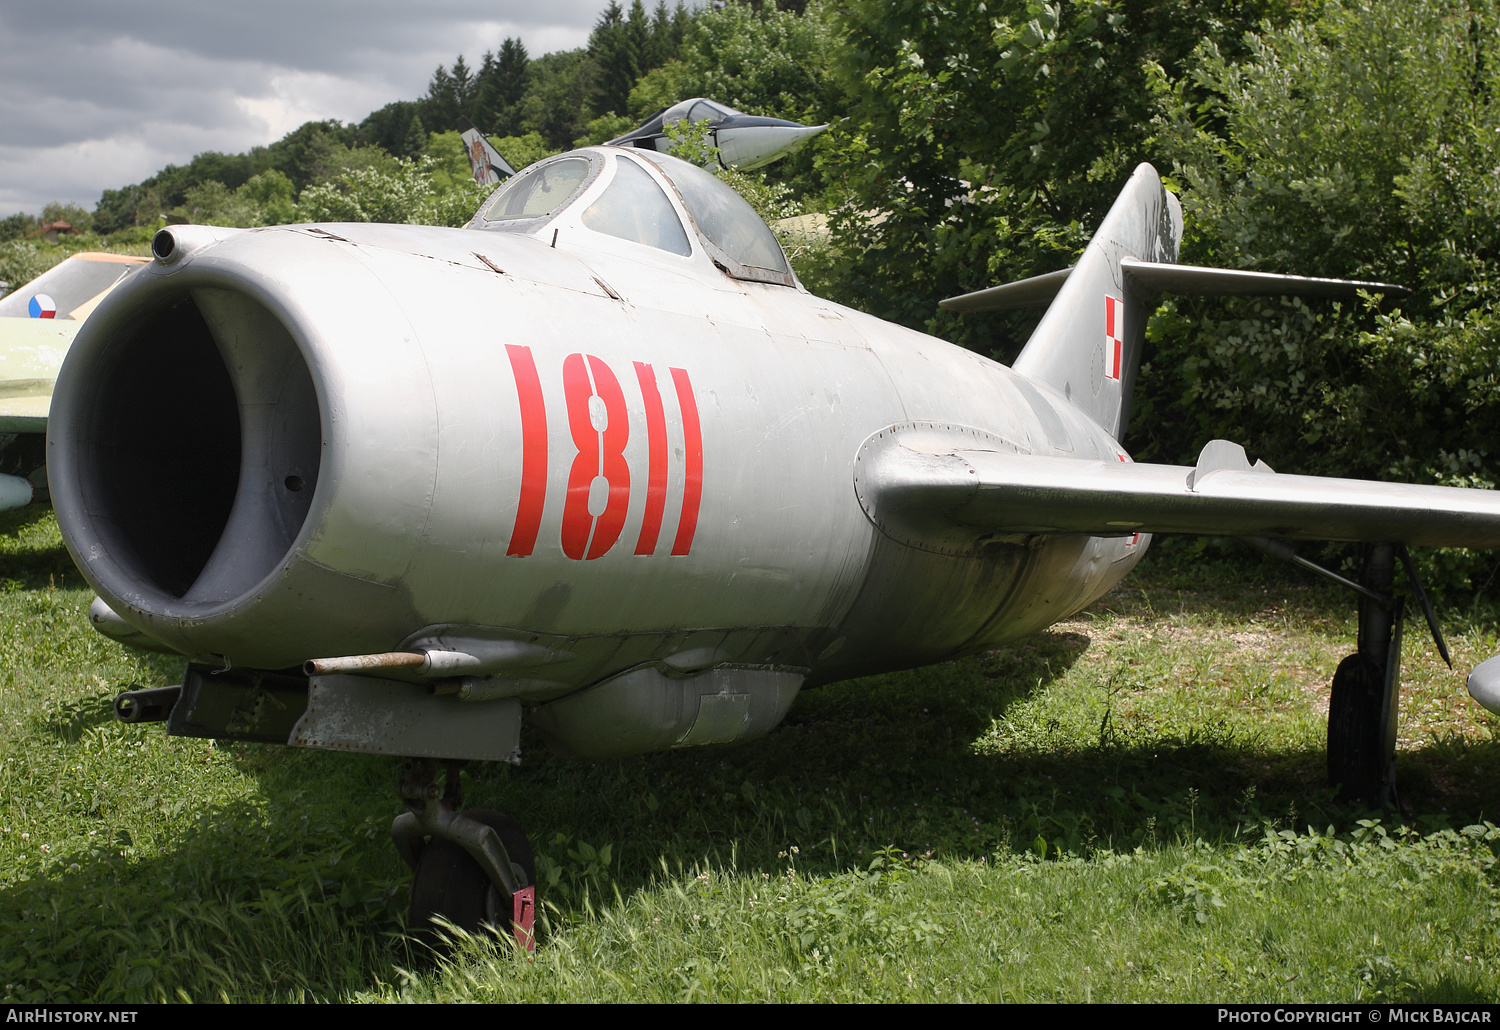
pixel 937 499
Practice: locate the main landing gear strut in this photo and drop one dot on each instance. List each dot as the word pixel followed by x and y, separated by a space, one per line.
pixel 1367 686
pixel 1367 690
pixel 473 868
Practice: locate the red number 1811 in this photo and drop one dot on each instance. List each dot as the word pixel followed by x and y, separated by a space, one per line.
pixel 598 491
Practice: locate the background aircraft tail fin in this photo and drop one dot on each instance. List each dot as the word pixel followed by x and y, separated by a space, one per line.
pixel 484 160
pixel 1088 344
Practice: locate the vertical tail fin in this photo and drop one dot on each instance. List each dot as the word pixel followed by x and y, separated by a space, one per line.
pixel 1088 344
pixel 484 160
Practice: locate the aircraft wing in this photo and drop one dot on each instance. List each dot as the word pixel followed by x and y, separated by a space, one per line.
pixel 37 324
pixel 31 352
pixel 935 496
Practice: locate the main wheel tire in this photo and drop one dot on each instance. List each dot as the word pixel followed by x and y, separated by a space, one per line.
pixel 449 883
pixel 1355 737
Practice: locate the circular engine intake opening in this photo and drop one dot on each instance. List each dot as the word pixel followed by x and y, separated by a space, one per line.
pixel 166 447
pixel 202 413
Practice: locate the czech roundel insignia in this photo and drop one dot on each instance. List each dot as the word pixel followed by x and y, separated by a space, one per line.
pixel 42 306
pixel 1114 336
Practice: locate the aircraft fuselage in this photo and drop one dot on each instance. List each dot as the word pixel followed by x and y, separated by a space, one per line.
pixel 566 442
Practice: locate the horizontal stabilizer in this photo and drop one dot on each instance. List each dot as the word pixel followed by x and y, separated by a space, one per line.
pixel 1159 277
pixel 1229 282
pixel 1023 293
pixel 921 497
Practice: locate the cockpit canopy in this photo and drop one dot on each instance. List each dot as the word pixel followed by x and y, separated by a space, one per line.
pixel 695 110
pixel 630 195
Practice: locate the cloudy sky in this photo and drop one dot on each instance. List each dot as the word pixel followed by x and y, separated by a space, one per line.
pixel 98 94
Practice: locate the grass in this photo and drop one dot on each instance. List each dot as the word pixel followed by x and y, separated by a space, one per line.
pixel 1127 807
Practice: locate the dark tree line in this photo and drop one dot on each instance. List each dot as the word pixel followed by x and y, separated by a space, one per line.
pixel 557 95
pixel 307 154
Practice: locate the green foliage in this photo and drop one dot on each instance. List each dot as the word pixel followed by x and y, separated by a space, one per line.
pixel 212 203
pixel 503 79
pixel 767 61
pixel 271 193
pixel 17 226
pixel 1358 145
pixel 74 215
pixel 307 154
pixel 22 261
pixel 521 151
pixel 603 129
pixel 449 169
pixel 396 128
pixel 991 140
pixel 616 48
pixel 408 193
pixel 560 84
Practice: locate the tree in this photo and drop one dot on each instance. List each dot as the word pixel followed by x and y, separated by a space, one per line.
pixel 416 139
pixel 449 94
pixel 271 194
pixel 1359 144
pixel 213 203
pixel 561 83
pixel 311 152
pixel 390 129
pixel 502 84
pixel 992 140
pixel 76 216
pixel 771 63
pixel 405 193
pixel 615 52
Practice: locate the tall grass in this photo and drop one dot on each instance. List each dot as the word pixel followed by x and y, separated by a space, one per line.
pixel 1127 807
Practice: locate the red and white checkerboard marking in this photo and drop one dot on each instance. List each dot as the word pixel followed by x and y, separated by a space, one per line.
pixel 1114 336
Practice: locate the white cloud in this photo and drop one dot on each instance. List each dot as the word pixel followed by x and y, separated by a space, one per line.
pixel 97 95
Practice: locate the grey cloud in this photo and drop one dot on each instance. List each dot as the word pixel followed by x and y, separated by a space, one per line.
pixel 162 81
pixel 328 36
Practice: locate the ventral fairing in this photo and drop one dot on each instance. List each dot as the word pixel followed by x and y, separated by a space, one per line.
pixel 599 463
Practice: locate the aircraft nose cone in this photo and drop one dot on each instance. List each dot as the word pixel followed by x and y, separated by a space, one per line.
pixel 1484 684
pixel 752 146
pixel 800 135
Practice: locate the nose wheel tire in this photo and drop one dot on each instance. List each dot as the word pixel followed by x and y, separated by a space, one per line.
pixel 451 885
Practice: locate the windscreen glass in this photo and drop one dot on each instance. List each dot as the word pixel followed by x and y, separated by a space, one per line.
pixel 706 111
pixel 723 216
pixel 539 190
pixel 633 207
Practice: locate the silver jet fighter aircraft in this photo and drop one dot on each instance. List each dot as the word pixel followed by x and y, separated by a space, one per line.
pixel 599 463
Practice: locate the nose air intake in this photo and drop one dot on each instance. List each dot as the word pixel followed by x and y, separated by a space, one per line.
pixel 196 434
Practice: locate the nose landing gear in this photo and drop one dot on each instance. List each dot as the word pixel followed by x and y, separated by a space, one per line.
pixel 474 868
